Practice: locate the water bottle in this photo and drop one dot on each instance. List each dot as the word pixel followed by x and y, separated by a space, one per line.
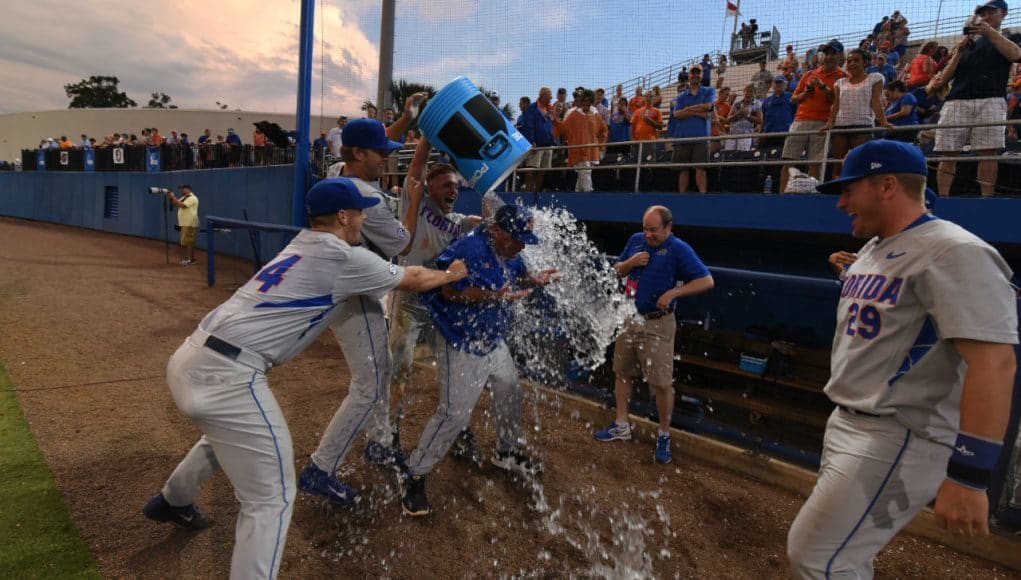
pixel 767 187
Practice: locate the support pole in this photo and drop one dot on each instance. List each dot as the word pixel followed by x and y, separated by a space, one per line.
pixel 303 113
pixel 384 98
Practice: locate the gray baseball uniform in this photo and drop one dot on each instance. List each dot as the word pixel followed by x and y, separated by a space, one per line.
pixel 218 379
pixel 435 231
pixel 897 380
pixel 364 339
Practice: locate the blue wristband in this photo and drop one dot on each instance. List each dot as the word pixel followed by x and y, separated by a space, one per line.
pixel 973 461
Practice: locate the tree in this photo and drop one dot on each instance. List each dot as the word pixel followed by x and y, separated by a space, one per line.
pixel 401 89
pixel 367 104
pixel 160 101
pixel 97 92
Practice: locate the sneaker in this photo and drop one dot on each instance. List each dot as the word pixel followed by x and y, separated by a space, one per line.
pixel 663 454
pixel 379 454
pixel 517 461
pixel 187 262
pixel 315 481
pixel 464 448
pixel 614 432
pixel 415 502
pixel 188 516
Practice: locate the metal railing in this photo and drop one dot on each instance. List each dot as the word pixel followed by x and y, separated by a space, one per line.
pixel 643 160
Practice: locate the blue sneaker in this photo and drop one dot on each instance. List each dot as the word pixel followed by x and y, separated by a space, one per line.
pixel 614 432
pixel 315 481
pixel 379 454
pixel 189 516
pixel 663 454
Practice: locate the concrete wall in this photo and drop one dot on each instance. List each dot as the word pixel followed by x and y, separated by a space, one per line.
pixel 24 130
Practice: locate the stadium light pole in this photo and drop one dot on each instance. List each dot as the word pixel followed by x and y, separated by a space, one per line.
pixel 386 58
pixel 304 110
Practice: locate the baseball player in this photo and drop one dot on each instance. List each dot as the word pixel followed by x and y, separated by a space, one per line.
pixel 362 331
pixel 438 226
pixel 659 268
pixel 921 374
pixel 471 318
pixel 218 376
pixel 188 220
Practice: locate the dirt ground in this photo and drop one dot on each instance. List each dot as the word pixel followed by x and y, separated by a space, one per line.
pixel 89 320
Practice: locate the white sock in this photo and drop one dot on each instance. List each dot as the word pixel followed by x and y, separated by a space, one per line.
pixel 662 434
pixel 624 425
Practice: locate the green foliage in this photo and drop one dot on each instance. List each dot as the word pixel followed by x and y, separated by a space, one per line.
pixel 97 92
pixel 37 537
pixel 160 101
pixel 401 89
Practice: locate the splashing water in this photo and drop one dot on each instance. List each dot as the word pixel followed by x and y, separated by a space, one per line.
pixel 573 320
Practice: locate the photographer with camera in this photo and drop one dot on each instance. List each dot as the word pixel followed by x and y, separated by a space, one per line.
pixel 187 220
pixel 979 69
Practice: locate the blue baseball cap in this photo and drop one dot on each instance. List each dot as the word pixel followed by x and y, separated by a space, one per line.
pixel 517 221
pixel 834 45
pixel 780 79
pixel 877 158
pixel 368 134
pixel 992 5
pixel 332 195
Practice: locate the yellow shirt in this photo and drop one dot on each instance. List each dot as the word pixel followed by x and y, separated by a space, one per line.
pixel 188 216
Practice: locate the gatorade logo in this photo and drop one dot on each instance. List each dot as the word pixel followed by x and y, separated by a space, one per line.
pixel 478 175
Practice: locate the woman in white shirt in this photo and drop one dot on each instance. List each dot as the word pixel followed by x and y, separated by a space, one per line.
pixel 857 104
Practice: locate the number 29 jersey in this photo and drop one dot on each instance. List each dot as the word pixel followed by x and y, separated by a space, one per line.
pixel 289 303
pixel 902 302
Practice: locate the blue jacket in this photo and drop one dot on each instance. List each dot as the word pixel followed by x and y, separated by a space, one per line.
pixel 537 127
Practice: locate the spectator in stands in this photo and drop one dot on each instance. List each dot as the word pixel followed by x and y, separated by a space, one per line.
pixel 882 67
pixel 791 77
pixel 560 106
pixel 323 142
pixel 762 81
pixel 777 114
pixel 690 115
pixel 857 104
pixel 523 104
pixel 745 116
pixel 942 58
pixel 371 112
pixel 878 28
pixel 620 126
pixel 923 67
pixel 619 94
pixel 537 127
pixel 92 143
pixel 721 110
pixel 173 139
pixel 233 139
pixel 979 70
pixel 85 144
pixel 901 111
pixel 812 59
pixel 721 72
pixel 145 136
pixel 637 101
pixel 494 97
pixel 411 140
pixel 65 143
pixel 892 56
pixel 155 138
pixel 790 59
pixel 133 140
pixel 928 107
pixel 645 123
pixel 656 97
pixel 335 134
pixel 205 138
pixel 707 71
pixel 900 33
pixel 868 44
pixel 813 97
pixel 583 126
pixel 259 146
pixel 603 106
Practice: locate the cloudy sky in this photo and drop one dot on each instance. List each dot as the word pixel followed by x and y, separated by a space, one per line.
pixel 245 53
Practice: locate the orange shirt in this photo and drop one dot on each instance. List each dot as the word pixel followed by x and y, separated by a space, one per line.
pixel 816 107
pixel 642 130
pixel 156 139
pixel 918 76
pixel 580 129
pixel 635 103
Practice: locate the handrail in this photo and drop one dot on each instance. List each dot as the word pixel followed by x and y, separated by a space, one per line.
pixel 641 163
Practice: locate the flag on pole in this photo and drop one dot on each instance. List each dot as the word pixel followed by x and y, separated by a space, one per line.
pixel 732 9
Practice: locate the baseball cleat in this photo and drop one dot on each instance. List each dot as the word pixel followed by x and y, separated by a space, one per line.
pixel 517 461
pixel 415 503
pixel 464 448
pixel 662 454
pixel 614 432
pixel 189 516
pixel 315 481
pixel 379 454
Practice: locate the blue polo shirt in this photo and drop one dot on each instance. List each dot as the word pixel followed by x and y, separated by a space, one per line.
pixel 778 113
pixel 671 262
pixel 536 126
pixel 906 99
pixel 692 126
pixel 476 328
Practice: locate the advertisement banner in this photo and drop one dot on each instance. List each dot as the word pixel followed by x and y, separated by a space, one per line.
pixel 90 159
pixel 152 159
pixel 40 160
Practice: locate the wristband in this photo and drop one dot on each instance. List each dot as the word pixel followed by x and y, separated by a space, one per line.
pixel 973 460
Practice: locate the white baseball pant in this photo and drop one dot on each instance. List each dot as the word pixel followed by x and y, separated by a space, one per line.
pixel 246 434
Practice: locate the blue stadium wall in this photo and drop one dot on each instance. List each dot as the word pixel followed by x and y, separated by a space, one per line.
pixel 742 299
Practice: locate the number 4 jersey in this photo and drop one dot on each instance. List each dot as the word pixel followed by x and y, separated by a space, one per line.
pixel 284 307
pixel 901 303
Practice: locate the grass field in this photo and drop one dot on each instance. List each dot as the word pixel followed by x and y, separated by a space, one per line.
pixel 37 538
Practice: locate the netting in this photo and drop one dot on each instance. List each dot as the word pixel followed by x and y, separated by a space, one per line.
pixel 517 46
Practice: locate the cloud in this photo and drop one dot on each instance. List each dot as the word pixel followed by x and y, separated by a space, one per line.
pixel 197 52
